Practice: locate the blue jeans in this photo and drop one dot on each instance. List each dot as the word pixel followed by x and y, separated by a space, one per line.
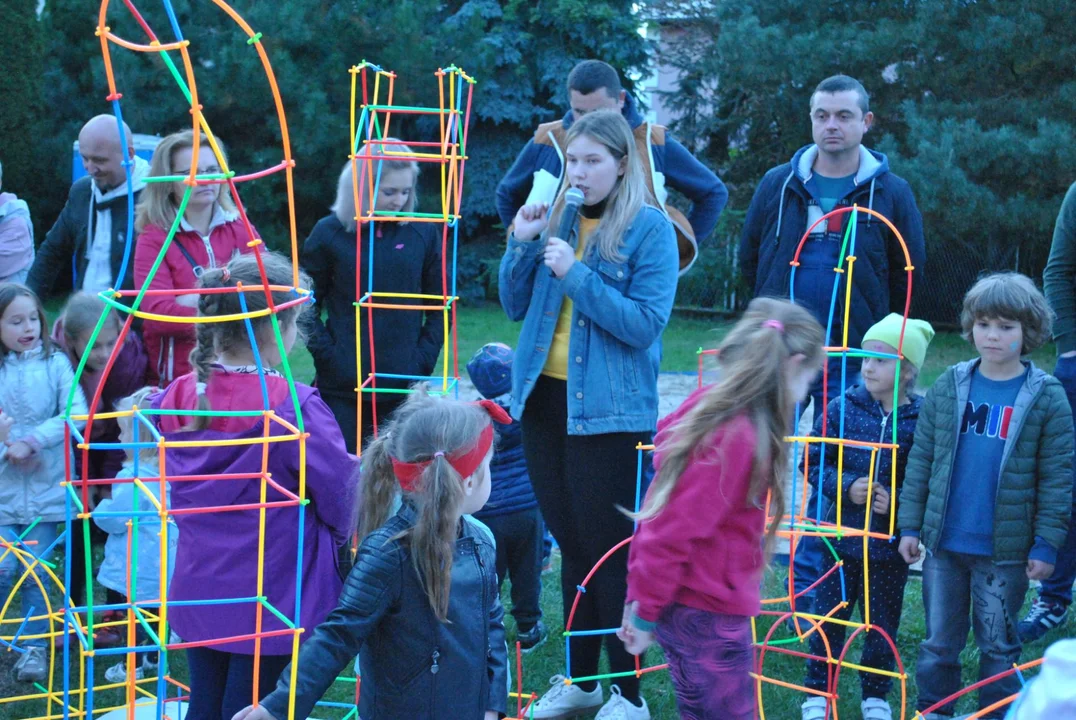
pixel 812 559
pixel 955 584
pixel 12 569
pixel 1057 590
pixel 222 683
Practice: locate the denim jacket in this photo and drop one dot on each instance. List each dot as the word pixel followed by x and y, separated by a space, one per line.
pixel 620 310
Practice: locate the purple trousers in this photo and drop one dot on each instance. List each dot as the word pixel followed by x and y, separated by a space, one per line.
pixel 710 660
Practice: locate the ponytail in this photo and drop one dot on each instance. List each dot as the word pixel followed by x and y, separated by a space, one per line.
pixel 205 349
pixel 425 430
pixel 433 539
pixel 379 486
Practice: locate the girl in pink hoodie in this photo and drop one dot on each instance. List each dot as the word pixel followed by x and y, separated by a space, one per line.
pixel 207 236
pixel 697 557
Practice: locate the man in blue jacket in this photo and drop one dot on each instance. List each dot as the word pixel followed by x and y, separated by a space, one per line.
pixel 835 171
pixel 538 172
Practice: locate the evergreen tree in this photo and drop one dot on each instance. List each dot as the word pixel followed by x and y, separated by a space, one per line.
pixel 522 52
pixel 20 97
pixel 974 104
pixel 519 53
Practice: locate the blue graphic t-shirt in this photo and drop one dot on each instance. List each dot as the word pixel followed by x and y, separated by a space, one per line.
pixel 984 429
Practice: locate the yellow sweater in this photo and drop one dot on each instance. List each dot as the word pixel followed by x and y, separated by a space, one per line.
pixel 556 364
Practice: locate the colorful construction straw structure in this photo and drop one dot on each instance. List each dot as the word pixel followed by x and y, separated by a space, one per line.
pixel 370 135
pixel 71 689
pixel 805 520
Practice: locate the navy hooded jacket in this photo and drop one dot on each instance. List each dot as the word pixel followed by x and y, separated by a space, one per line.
pixel 682 172
pixel 865 421
pixel 510 484
pixel 777 220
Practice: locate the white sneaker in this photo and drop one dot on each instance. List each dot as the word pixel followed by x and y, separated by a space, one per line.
pixel 620 709
pixel 118 673
pixel 876 709
pixel 813 708
pixel 566 701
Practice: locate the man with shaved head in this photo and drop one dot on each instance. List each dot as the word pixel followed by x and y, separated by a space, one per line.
pixel 84 249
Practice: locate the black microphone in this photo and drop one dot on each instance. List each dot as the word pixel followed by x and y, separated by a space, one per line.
pixel 573 199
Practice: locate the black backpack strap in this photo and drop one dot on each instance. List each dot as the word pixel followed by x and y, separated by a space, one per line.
pixel 198 269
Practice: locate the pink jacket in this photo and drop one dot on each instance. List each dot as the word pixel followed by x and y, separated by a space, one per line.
pixel 169 344
pixel 704 550
pixel 16 238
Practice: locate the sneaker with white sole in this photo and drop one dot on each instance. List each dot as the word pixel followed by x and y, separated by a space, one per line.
pixel 118 673
pixel 566 701
pixel 618 708
pixel 532 638
pixel 33 665
pixel 876 709
pixel 813 708
pixel 1041 619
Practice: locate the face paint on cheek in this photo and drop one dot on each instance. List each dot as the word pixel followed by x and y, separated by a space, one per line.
pixel 1014 346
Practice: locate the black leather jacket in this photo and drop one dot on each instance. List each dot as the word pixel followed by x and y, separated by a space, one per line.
pixel 412 665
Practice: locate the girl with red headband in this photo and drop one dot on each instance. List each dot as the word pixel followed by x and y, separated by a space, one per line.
pixel 422 601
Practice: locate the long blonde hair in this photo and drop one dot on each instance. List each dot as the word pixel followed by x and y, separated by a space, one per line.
pixel 420 429
pixel 156 206
pixel 629 194
pixel 751 367
pixel 391 150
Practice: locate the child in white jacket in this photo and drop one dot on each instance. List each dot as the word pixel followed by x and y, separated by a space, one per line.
pixel 36 382
pixel 118 515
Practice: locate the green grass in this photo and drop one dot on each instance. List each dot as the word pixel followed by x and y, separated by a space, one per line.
pixel 682 339
pixel 488 323
pixel 549 660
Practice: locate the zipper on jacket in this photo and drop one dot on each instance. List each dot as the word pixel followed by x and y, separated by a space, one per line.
pixel 878 461
pixel 435 665
pixel 209 250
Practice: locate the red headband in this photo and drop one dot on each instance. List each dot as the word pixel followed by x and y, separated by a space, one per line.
pixel 465 463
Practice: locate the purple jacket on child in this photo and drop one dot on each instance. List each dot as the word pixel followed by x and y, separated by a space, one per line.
pixel 217 556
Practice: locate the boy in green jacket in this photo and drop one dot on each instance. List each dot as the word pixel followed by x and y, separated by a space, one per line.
pixel 987 490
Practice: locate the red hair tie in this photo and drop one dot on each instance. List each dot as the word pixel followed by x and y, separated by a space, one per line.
pixel 465 463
